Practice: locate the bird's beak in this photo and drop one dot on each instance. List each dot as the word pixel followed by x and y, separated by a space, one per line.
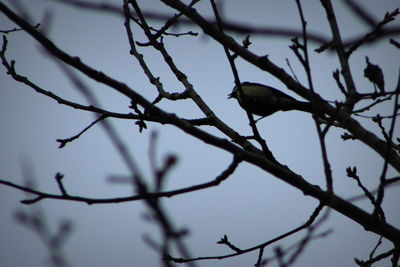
pixel 231 95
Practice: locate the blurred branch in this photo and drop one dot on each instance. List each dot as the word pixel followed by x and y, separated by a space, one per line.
pixel 36 222
pixel 230 26
pixel 360 12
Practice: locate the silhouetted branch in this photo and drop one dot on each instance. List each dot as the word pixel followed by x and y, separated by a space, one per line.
pixel 68 197
pixel 395 43
pixel 238 251
pixel 376 258
pixel 15 29
pixel 306 65
pixel 249 154
pixel 377 30
pixel 65 141
pixel 352 173
pixel 388 137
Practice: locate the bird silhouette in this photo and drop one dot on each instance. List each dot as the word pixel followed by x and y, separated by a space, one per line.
pixel 264 100
pixel 375 75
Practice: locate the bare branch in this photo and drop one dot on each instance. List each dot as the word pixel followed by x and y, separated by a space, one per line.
pixel 148 195
pixel 238 251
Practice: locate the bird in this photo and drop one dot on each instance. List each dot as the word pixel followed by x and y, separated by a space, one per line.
pixel 375 75
pixel 264 100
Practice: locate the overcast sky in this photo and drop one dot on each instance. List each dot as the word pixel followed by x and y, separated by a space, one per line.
pixel 251 207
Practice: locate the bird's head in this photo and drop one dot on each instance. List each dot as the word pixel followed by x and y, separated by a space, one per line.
pixel 234 93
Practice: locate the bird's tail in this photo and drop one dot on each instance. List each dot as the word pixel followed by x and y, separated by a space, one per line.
pixel 303 106
pixel 307 107
pixel 292 104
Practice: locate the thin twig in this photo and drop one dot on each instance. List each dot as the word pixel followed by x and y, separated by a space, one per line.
pixel 314 103
pixel 381 189
pixel 310 220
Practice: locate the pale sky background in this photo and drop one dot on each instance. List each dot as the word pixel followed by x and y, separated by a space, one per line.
pixel 251 207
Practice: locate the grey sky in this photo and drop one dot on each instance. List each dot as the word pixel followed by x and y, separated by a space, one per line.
pixel 250 208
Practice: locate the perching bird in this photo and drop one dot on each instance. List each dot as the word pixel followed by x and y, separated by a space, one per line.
pixel 263 100
pixel 375 75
